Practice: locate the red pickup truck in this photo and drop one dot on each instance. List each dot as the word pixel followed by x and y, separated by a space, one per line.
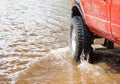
pixel 92 19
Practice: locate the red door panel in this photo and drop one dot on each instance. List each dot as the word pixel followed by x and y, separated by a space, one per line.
pixel 97 16
pixel 115 19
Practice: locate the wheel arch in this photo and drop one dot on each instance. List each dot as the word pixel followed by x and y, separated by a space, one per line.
pixel 77 10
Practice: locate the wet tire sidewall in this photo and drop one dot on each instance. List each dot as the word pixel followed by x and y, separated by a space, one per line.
pixel 78 49
pixel 73 28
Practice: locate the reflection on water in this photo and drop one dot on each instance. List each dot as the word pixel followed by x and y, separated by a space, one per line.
pixel 33 40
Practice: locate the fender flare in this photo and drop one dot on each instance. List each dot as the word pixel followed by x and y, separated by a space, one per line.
pixel 78 5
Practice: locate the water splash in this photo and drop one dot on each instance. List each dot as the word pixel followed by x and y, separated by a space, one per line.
pixel 88 68
pixel 84 56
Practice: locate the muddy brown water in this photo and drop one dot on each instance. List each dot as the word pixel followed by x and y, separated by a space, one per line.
pixel 34 47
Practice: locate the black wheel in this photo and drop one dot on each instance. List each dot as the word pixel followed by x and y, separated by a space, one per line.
pixel 80 39
pixel 108 44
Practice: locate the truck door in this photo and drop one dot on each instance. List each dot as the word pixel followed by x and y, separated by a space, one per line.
pixel 115 19
pixel 97 16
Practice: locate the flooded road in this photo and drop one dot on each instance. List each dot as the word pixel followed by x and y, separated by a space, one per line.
pixel 59 68
pixel 33 48
pixel 29 29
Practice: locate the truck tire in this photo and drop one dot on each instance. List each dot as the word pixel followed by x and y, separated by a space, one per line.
pixel 80 39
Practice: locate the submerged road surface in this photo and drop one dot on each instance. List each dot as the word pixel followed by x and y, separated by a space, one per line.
pixel 33 47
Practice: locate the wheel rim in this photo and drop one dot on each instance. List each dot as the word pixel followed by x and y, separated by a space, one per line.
pixel 73 41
